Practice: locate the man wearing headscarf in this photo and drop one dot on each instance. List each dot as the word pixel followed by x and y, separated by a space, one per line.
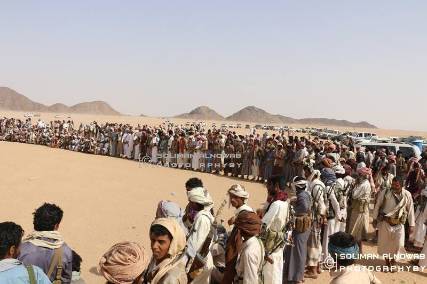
pixel 251 255
pixel 296 255
pixel 298 161
pixel 420 209
pixel 344 249
pixel 391 211
pixel 333 214
pixel 123 263
pixel 360 198
pixel 275 217
pixel 168 244
pixel 238 199
pixel 316 188
pixel 201 202
pixel 169 209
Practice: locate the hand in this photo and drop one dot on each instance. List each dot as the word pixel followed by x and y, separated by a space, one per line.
pixel 231 221
pixel 374 223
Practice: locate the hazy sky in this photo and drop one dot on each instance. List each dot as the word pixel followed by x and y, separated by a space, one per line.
pixel 355 60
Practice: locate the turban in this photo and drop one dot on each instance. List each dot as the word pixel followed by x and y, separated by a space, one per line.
pixel 123 263
pixel 301 184
pixel 344 253
pixel 248 223
pixel 168 209
pixel 327 162
pixel 200 196
pixel 332 147
pixel 364 171
pixel 339 170
pixel 328 176
pixel 239 191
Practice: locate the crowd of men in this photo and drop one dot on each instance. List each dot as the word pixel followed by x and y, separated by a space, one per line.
pixel 321 197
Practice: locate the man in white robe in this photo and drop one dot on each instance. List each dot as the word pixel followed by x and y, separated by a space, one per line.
pixel 360 198
pixel 316 189
pixel 251 254
pixel 418 237
pixel 275 219
pixel 127 140
pixel 393 208
pixel 200 200
pixel 238 197
pixel 154 148
pixel 334 215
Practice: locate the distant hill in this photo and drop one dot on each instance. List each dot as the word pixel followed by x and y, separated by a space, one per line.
pixel 254 114
pixel 96 107
pixel 257 115
pixel 12 100
pixel 201 113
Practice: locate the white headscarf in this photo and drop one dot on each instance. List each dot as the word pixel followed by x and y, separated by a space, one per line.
pixel 200 195
pixel 238 191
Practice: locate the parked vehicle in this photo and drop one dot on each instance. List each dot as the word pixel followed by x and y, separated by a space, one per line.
pixel 407 150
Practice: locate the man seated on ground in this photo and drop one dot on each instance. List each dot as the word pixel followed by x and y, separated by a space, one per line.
pixel 124 262
pixel 341 246
pixel 167 244
pixel 12 271
pixel 45 247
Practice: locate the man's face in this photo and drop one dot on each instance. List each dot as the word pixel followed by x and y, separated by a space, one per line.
pixel 235 201
pixel 160 246
pixel 396 187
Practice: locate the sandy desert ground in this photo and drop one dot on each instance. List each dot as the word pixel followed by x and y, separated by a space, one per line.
pixel 108 200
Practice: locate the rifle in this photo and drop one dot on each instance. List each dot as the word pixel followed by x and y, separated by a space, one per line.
pixel 199 260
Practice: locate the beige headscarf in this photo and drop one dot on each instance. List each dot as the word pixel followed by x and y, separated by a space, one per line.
pixel 123 263
pixel 239 191
pixel 176 248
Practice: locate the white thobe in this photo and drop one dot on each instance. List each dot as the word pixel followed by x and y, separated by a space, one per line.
pixel 154 142
pixel 197 236
pixel 275 219
pixel 391 239
pixel 249 261
pixel 127 145
pixel 330 227
pixel 420 228
pixel 359 221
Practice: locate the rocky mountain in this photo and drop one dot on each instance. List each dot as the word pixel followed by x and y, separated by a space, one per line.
pixel 12 100
pixel 201 113
pixel 257 115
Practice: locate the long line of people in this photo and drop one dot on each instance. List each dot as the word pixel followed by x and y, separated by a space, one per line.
pixel 284 242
